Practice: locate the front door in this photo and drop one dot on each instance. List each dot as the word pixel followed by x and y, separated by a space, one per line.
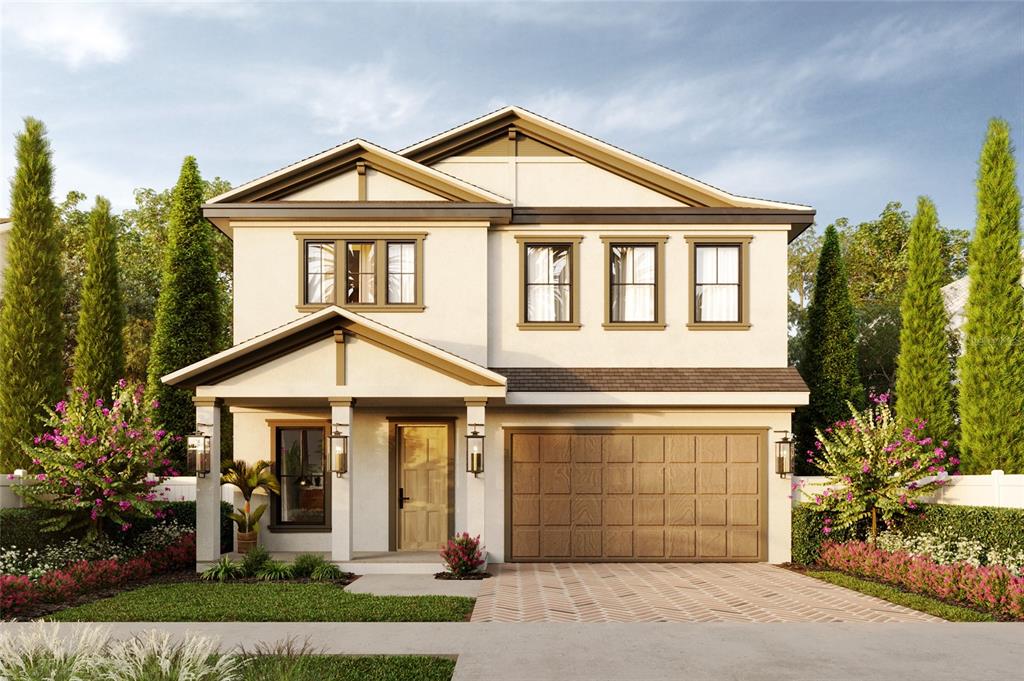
pixel 423 487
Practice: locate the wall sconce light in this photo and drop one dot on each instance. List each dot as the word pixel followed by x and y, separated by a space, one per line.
pixel 475 449
pixel 339 449
pixel 784 455
pixel 198 452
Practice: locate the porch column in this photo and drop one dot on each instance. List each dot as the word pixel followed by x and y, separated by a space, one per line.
pixel 208 488
pixel 476 484
pixel 341 487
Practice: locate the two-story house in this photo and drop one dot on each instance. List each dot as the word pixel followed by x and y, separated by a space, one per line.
pixel 614 330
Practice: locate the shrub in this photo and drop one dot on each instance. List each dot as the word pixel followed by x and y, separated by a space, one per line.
pixel 306 563
pixel 326 572
pixel 946 551
pixel 996 529
pixel 274 570
pixel 463 555
pixel 22 528
pixel 17 594
pixel 223 570
pixel 95 460
pixel 254 561
pixel 808 534
pixel 991 588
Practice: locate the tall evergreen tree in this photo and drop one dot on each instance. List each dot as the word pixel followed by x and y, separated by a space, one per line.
pixel 188 319
pixel 922 366
pixel 99 355
pixel 31 331
pixel 829 365
pixel 992 365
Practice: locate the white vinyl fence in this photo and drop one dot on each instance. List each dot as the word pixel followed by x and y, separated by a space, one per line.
pixel 182 488
pixel 995 489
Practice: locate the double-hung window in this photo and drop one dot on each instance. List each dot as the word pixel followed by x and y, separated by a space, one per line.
pixel 718 283
pixel 634 272
pixel 550 298
pixel 369 272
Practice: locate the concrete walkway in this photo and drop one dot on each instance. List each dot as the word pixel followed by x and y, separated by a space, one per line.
pixel 413 585
pixel 655 651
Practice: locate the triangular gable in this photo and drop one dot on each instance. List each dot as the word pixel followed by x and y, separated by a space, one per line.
pixel 513 120
pixel 357 156
pixel 294 337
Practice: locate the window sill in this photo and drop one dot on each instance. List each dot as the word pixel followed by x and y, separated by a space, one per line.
pixel 365 308
pixel 634 326
pixel 549 326
pixel 718 326
pixel 284 529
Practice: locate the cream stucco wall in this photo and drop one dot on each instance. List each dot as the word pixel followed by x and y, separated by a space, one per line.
pixel 343 187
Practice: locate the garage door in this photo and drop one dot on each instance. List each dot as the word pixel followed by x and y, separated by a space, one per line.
pixel 638 496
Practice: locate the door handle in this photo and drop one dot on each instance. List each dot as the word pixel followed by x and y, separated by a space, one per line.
pixel 402 498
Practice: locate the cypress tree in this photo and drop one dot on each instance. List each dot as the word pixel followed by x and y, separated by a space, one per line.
pixel 188 319
pixel 829 366
pixel 922 367
pixel 31 330
pixel 992 365
pixel 99 355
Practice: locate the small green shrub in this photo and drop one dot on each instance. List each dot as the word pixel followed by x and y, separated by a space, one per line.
pixel 254 561
pixel 274 570
pixel 306 563
pixel 999 529
pixel 326 572
pixel 809 534
pixel 223 570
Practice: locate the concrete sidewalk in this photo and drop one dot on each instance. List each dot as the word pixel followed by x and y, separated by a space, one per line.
pixel 655 651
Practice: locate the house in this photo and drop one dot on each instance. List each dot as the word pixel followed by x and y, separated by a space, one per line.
pixel 605 336
pixel 5 237
pixel 954 296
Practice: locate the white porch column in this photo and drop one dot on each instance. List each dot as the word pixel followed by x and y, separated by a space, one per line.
pixel 341 487
pixel 208 488
pixel 476 484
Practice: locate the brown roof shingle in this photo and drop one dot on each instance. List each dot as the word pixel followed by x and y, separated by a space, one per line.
pixel 650 379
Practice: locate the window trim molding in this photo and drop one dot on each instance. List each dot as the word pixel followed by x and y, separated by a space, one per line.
pixel 380 239
pixel 656 240
pixel 743 242
pixel 571 240
pixel 275 500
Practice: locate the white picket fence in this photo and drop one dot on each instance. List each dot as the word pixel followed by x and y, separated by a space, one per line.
pixel 995 489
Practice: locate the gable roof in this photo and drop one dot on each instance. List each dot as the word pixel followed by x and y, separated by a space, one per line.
pixel 611 158
pixel 344 157
pixel 315 327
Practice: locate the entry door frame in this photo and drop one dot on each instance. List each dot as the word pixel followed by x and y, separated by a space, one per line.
pixel 394 446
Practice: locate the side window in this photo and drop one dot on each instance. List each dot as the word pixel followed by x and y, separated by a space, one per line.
pixel 300 464
pixel 716 295
pixel 401 273
pixel 320 264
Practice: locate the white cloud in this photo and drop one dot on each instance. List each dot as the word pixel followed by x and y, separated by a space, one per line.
pixel 76 34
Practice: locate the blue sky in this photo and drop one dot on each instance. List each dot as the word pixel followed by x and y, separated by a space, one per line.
pixel 841 106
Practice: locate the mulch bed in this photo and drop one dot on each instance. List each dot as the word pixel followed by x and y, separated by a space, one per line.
pixel 472 577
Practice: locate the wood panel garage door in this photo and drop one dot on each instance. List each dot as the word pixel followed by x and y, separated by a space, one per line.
pixel 639 496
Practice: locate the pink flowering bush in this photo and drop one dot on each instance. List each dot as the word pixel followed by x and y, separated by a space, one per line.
pixel 20 594
pixel 876 463
pixel 93 461
pixel 992 588
pixel 463 555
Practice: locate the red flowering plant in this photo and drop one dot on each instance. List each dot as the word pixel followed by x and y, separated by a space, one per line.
pixel 94 463
pixel 877 464
pixel 463 555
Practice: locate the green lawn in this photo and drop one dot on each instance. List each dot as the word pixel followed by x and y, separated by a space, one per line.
pixel 932 606
pixel 343 668
pixel 269 602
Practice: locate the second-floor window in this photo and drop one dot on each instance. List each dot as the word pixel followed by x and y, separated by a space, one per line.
pixel 380 273
pixel 633 283
pixel 549 283
pixel 717 283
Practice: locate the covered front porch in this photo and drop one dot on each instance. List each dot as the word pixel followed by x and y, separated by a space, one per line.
pixel 369 432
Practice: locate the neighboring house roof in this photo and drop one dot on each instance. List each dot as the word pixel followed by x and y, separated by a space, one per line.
pixel 955 296
pixel 317 326
pixel 344 157
pixel 647 379
pixel 665 180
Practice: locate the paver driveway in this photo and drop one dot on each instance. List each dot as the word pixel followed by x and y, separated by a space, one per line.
pixel 673 592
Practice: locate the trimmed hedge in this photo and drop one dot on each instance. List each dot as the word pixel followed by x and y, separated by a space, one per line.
pixel 20 528
pixel 1000 528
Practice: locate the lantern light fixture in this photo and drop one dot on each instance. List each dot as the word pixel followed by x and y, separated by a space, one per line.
pixel 198 452
pixel 784 455
pixel 339 448
pixel 475 449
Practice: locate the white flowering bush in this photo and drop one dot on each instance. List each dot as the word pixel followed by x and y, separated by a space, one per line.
pixel 34 563
pixel 947 550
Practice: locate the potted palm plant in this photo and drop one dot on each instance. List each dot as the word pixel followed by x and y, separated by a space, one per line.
pixel 249 478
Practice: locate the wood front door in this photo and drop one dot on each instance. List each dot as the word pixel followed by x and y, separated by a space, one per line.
pixel 423 487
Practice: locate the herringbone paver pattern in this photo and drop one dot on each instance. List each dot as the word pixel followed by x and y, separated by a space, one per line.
pixel 673 592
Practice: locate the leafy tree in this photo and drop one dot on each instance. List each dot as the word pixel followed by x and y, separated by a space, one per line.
pixel 73 223
pixel 992 365
pixel 189 322
pixel 923 377
pixel 99 355
pixel 829 365
pixel 31 332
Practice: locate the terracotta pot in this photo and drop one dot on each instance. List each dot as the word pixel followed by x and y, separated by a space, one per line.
pixel 246 542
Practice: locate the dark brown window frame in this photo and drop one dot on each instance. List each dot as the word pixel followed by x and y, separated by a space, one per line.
pixel 657 241
pixel 573 243
pixel 743 243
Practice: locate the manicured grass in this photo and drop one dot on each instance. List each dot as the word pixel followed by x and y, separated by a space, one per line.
pixel 270 602
pixel 344 668
pixel 932 606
